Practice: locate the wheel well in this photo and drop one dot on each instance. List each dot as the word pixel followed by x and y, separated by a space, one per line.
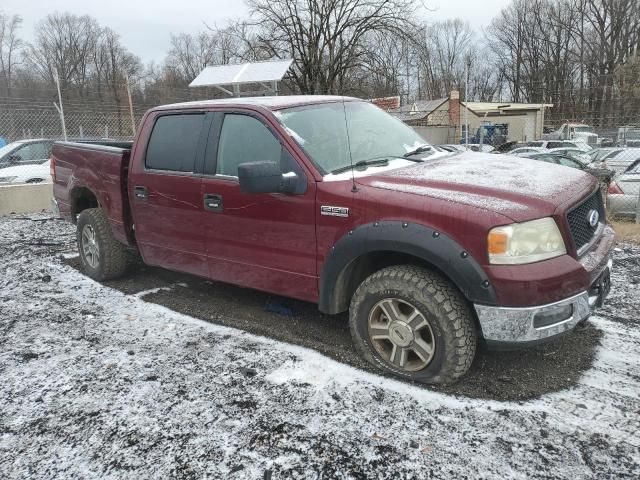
pixel 365 265
pixel 81 199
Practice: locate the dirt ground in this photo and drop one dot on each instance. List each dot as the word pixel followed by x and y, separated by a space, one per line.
pixel 627 231
pixel 161 374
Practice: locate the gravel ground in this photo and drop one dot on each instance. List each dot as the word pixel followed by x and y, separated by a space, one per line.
pixel 127 381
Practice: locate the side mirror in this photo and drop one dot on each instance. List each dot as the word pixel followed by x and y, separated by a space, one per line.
pixel 265 177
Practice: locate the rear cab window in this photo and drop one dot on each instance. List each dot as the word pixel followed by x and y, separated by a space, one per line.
pixel 173 143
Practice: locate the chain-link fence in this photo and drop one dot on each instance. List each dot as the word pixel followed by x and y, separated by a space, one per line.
pixel 612 154
pixel 29 127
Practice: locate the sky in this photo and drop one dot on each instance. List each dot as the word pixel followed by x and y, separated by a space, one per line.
pixel 145 26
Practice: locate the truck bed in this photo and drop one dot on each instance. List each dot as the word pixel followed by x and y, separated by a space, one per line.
pixel 94 172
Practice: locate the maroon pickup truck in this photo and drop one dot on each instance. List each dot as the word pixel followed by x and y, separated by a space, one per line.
pixel 331 200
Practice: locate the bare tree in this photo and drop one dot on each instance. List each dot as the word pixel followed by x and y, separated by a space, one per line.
pixel 326 38
pixel 10 45
pixel 66 43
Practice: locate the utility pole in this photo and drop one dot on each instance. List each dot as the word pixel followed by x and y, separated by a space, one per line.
pixel 133 120
pixel 59 107
pixel 466 110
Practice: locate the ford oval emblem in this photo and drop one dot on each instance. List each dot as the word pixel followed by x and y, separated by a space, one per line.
pixel 594 217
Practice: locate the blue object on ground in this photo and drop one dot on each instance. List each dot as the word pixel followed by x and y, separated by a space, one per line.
pixel 279 307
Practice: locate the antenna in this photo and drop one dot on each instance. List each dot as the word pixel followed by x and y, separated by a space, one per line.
pixel 346 126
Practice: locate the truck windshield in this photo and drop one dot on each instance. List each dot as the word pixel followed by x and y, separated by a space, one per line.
pixel 584 129
pixel 635 134
pixel 371 134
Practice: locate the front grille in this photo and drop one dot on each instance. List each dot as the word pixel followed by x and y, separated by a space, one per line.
pixel 578 218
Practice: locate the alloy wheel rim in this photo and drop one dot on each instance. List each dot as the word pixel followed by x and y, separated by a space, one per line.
pixel 90 247
pixel 401 334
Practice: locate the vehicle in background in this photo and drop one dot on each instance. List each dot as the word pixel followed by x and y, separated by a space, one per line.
pixel 3 142
pixel 524 151
pixel 617 159
pixel 478 147
pixel 575 153
pixel 26 173
pixel 331 200
pixel 628 136
pixel 559 144
pixel 624 191
pixel 453 148
pixel 578 132
pixel 25 152
pixel 604 175
pixel 489 134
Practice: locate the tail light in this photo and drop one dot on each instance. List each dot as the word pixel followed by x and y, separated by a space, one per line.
pixel 614 189
pixel 52 168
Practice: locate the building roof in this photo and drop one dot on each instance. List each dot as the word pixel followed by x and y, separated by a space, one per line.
pixel 503 106
pixel 418 110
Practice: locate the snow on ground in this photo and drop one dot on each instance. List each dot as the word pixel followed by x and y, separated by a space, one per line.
pixel 99 384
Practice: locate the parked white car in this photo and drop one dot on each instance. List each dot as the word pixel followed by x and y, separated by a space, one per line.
pixel 26 174
pixel 616 158
pixel 622 197
pixel 519 152
pixel 559 144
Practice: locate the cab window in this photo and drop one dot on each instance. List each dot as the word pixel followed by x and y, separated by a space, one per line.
pixel 174 142
pixel 245 139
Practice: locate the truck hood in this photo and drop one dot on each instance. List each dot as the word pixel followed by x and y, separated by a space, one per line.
pixel 521 189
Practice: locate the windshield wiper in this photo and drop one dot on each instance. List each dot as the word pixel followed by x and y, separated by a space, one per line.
pixel 363 164
pixel 420 149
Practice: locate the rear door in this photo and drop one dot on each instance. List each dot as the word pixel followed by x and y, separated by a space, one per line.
pixel 262 241
pixel 164 191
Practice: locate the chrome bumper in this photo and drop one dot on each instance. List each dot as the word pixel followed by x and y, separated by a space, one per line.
pixel 531 324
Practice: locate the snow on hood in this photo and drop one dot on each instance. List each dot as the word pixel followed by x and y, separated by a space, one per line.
pixel 519 188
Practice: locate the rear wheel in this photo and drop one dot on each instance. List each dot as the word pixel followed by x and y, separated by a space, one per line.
pixel 101 255
pixel 412 322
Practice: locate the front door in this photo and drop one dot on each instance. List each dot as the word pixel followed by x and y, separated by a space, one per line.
pixel 164 190
pixel 262 241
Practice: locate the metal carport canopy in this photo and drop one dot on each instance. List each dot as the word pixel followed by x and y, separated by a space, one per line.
pixel 239 74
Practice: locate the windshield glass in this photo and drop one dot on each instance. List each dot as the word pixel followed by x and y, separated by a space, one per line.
pixel 372 134
pixel 584 129
pixel 7 148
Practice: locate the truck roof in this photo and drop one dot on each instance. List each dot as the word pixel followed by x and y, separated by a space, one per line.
pixel 269 102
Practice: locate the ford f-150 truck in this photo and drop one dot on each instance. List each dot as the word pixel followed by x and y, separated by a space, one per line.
pixel 331 200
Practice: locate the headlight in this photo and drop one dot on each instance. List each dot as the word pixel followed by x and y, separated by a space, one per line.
pixel 526 242
pixel 7 179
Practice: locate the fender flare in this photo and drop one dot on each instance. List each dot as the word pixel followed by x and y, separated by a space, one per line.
pixel 425 243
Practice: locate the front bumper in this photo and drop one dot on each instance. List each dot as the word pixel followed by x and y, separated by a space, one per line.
pixel 504 325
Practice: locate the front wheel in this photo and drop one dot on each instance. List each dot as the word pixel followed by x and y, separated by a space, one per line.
pixel 101 255
pixel 412 322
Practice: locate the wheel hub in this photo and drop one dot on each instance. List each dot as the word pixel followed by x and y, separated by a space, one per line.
pixel 401 334
pixel 90 246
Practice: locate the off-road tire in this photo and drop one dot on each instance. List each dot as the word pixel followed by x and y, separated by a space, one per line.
pixel 444 307
pixel 113 257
